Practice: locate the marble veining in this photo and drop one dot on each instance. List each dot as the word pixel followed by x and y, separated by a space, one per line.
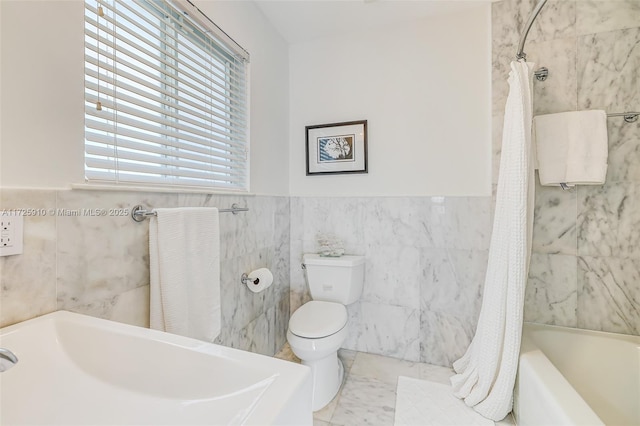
pixel 583 270
pixel 368 392
pixel 597 16
pixel 554 223
pixel 393 286
pixel 551 295
pixel 624 151
pixel 422 254
pixel 99 265
pixel 609 294
pixel 453 282
pixel 557 20
pixel 608 66
pixel 28 281
pixel 608 222
pixel 426 256
pixel 444 337
pixel 557 94
pixel 377 328
pixel 365 401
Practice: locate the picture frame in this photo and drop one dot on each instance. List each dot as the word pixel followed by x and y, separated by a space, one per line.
pixel 336 148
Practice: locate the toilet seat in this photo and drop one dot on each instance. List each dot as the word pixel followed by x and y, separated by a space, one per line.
pixel 317 319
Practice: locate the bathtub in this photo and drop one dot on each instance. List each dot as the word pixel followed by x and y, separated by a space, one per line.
pixel 77 370
pixel 568 376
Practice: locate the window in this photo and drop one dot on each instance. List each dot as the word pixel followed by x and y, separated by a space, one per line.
pixel 165 97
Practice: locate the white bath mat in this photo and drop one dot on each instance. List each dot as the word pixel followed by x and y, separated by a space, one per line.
pixel 424 403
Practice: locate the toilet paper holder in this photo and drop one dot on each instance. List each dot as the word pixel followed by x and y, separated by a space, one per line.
pixel 246 280
pixel 258 280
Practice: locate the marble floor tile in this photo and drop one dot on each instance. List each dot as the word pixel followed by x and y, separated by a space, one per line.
pixel 287 354
pixel 325 414
pixel 436 373
pixel 327 411
pixel 368 392
pixel 382 368
pixel 365 401
pixel 347 357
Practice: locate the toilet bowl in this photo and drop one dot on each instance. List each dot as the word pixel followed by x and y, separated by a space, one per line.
pixel 316 331
pixel 319 327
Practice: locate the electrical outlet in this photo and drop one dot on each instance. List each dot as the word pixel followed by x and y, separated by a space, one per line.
pixel 11 234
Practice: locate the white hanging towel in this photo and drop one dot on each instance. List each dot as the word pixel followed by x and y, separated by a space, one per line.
pixel 486 372
pixel 572 147
pixel 184 260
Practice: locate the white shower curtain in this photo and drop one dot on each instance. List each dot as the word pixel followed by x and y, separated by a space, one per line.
pixel 486 373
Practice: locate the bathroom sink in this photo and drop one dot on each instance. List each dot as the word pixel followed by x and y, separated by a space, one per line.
pixel 76 369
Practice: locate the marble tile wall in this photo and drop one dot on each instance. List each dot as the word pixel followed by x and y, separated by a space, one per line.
pixel 585 266
pixel 426 256
pixel 425 264
pixel 100 265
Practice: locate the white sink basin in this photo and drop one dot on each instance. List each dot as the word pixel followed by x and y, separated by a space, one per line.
pixel 79 370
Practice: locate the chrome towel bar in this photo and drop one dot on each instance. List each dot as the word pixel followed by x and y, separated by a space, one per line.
pixel 139 213
pixel 629 117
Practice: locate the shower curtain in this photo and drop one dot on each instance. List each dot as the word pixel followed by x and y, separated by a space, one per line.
pixel 486 372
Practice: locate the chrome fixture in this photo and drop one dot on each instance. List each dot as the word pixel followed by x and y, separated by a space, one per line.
pixel 139 213
pixel 8 355
pixel 541 74
pixel 629 117
pixel 245 279
pixel 520 55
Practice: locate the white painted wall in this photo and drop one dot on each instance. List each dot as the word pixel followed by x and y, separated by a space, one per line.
pixel 42 92
pixel 42 82
pixel 424 89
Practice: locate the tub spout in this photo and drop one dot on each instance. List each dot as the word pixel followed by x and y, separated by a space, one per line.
pixel 7 354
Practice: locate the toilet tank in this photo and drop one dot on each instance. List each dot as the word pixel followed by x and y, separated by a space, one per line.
pixel 335 279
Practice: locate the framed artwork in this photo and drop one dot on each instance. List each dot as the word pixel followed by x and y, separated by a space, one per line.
pixel 337 148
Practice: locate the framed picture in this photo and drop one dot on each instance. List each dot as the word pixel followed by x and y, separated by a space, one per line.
pixel 337 148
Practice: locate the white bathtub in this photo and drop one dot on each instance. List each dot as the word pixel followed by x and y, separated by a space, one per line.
pixel 569 376
pixel 77 370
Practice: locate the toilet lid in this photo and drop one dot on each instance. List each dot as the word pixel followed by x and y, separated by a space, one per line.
pixel 317 319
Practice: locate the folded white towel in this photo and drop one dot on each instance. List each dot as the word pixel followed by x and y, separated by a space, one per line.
pixel 572 147
pixel 184 261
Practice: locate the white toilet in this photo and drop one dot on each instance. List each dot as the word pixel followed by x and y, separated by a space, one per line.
pixel 318 328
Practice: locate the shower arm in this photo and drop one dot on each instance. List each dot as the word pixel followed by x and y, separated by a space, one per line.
pixel 520 55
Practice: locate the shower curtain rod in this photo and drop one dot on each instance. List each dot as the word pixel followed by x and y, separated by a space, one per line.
pixel 542 73
pixel 523 38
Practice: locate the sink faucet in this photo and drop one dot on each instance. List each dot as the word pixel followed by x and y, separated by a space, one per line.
pixel 6 353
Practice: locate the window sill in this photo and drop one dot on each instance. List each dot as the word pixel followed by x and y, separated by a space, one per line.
pixel 152 188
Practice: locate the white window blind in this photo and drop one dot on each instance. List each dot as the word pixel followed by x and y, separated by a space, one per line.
pixel 165 97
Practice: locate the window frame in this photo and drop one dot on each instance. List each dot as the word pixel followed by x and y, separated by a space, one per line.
pixel 218 163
